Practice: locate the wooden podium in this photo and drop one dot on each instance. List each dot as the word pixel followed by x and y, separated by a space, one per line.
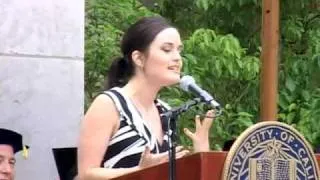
pixel 199 166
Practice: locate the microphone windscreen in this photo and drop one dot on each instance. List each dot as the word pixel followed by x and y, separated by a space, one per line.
pixel 185 82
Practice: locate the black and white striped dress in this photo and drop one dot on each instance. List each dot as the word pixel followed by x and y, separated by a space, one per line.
pixel 127 144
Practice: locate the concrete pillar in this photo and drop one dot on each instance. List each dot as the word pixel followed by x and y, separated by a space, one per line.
pixel 41 78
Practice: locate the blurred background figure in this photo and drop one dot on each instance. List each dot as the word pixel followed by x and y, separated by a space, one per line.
pixel 227 145
pixel 317 150
pixel 10 143
pixel 66 162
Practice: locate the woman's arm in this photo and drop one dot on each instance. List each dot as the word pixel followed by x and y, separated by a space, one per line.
pixel 99 124
pixel 147 159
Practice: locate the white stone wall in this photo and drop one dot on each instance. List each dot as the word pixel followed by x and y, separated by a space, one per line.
pixel 41 78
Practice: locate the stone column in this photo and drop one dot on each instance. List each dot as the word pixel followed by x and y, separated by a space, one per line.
pixel 41 78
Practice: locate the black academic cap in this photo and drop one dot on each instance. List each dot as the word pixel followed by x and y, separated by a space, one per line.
pixel 11 138
pixel 66 162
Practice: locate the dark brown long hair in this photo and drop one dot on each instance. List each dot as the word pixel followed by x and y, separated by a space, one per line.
pixel 138 37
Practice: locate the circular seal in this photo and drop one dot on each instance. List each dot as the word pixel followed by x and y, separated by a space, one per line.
pixel 271 150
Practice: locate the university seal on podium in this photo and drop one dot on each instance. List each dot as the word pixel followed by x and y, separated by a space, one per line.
pixel 271 151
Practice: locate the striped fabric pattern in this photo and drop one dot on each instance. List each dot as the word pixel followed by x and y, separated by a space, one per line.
pixel 127 144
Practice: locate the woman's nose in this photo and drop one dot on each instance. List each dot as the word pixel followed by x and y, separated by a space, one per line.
pixel 177 56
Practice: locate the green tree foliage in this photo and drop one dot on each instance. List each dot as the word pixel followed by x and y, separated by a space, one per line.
pixel 214 60
pixel 104 24
pixel 299 52
pixel 222 49
pixel 299 68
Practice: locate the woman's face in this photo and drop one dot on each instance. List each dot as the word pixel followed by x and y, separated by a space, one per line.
pixel 163 62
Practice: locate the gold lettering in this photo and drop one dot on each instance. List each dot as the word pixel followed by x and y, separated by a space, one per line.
pixel 284 136
pixel 308 169
pixel 247 146
pixel 237 161
pixel 311 177
pixel 305 161
pixel 301 152
pixel 242 154
pixel 270 133
pixel 258 137
pixel 254 141
pixel 233 175
pixel 290 140
pixel 262 134
pixel 234 168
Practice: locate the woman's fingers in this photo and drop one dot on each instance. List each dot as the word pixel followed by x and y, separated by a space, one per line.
pixel 207 121
pixel 149 159
pixel 160 157
pixel 145 153
pixel 197 122
pixel 182 153
pixel 190 134
pixel 144 157
pixel 200 137
pixel 179 148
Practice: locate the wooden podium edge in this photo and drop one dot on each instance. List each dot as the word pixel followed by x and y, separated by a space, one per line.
pixel 213 159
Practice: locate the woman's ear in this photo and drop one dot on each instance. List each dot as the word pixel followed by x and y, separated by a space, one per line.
pixel 138 58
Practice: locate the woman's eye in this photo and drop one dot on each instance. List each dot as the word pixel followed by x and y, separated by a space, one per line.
pixel 166 50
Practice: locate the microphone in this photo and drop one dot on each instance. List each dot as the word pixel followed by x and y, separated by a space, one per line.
pixel 188 84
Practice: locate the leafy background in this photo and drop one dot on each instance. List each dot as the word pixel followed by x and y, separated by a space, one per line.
pixel 222 51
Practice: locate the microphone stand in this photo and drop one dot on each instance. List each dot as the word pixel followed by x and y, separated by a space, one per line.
pixel 172 117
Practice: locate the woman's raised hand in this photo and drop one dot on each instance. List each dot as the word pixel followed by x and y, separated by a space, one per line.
pixel 200 137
